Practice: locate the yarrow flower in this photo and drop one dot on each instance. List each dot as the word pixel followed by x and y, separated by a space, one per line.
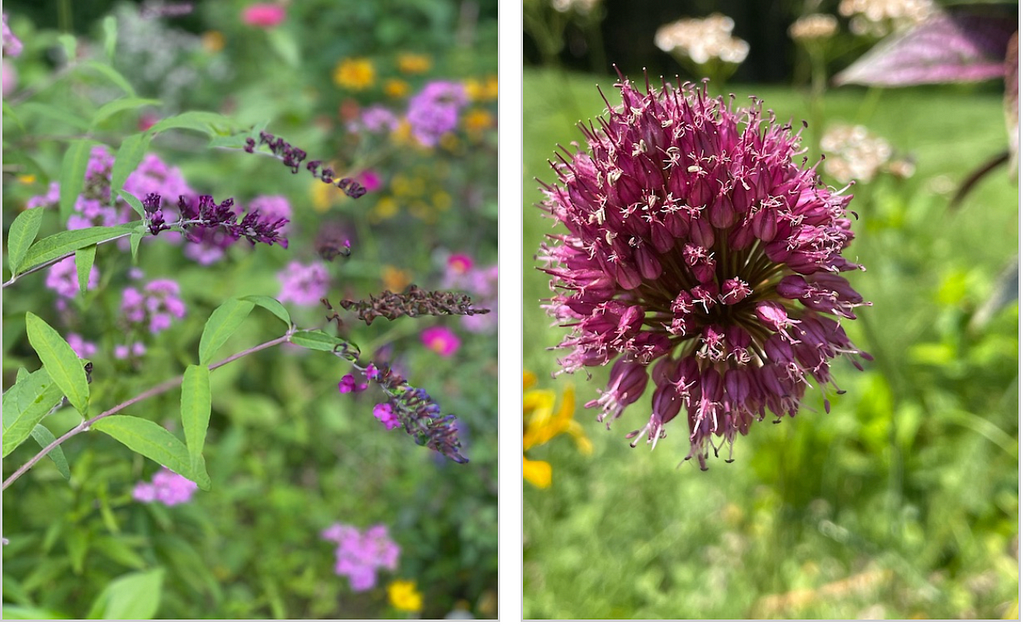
pixel 360 554
pixel 701 258
pixel 441 340
pixel 167 487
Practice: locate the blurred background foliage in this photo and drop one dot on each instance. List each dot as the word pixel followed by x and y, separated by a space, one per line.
pixel 900 503
pixel 289 456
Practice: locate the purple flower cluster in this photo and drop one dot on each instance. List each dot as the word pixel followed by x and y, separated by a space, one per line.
pixel 302 284
pixel 81 347
pixel 292 158
pixel 167 487
pixel 481 282
pixel 701 258
pixel 154 306
pixel 62 278
pixel 435 110
pixel 361 554
pixel 374 119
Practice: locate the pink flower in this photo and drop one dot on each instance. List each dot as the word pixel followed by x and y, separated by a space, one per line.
pixel 167 487
pixel 360 554
pixel 385 413
pixel 348 384
pixel 10 78
pixel 303 284
pixel 81 347
pixel 700 257
pixel 441 340
pixel 459 264
pixel 263 15
pixel 370 179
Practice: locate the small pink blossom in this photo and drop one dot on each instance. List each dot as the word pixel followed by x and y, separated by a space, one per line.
pixel 263 15
pixel 81 347
pixel 385 413
pixel 348 384
pixel 302 284
pixel 62 278
pixel 167 487
pixel 441 340
pixel 360 554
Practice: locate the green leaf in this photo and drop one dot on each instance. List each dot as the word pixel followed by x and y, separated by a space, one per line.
pixel 316 339
pixel 45 437
pixel 152 441
pixel 56 113
pixel 84 259
pixel 116 106
pixel 63 243
pixel 110 74
pixel 70 45
pixel 129 155
pixel 117 549
pixel 272 305
pixel 202 121
pixel 135 239
pixel 136 205
pixel 285 46
pixel 72 174
pixel 29 613
pixel 135 596
pixel 10 114
pixel 109 37
pixel 23 232
pixel 195 411
pixel 25 404
pixel 60 360
pixel 220 326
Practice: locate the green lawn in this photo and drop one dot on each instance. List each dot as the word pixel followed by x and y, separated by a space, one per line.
pixel 900 503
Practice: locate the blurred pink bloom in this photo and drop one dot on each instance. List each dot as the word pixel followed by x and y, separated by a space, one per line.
pixel 167 487
pixel 459 264
pixel 385 413
pixel 11 44
pixel 441 340
pixel 81 347
pixel 303 284
pixel 370 179
pixel 10 79
pixel 263 15
pixel 360 554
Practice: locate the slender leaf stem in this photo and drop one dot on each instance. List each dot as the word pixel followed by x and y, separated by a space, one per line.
pixel 153 392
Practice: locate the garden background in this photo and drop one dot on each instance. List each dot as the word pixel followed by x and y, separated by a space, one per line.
pixel 900 503
pixel 289 455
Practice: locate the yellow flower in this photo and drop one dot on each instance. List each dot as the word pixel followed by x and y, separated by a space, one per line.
pixel 413 63
pixel 355 74
pixel 402 594
pixel 477 120
pixel 27 178
pixel 386 208
pixel 395 88
pixel 324 195
pixel 213 41
pixel 395 279
pixel 481 90
pixel 541 423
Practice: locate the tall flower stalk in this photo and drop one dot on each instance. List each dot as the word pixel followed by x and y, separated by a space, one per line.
pixel 700 258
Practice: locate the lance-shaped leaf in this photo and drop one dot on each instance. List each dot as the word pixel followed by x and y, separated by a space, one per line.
pixel 154 442
pixel 57 245
pixel 24 406
pixel 61 362
pixel 72 174
pixel 45 437
pixel 220 326
pixel 195 412
pixel 271 305
pixel 23 232
pixel 965 44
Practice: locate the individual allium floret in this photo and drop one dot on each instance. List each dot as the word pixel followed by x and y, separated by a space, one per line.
pixel 154 306
pixel 435 110
pixel 167 487
pixel 701 258
pixel 303 284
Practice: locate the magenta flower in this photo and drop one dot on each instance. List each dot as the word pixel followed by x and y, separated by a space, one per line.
pixel 348 384
pixel 11 44
pixel 167 487
pixel 700 257
pixel 441 340
pixel 385 413
pixel 263 15
pixel 435 110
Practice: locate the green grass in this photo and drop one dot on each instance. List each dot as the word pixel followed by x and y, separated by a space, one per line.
pixel 900 503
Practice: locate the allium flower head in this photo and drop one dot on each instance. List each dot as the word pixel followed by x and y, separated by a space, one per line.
pixel 701 258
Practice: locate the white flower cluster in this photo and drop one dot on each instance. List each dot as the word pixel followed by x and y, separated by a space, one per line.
pixel 854 153
pixel 701 40
pixel 879 17
pixel 813 26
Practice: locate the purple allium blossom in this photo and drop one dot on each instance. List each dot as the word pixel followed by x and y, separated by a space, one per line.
pixel 154 306
pixel 302 284
pixel 11 44
pixel 81 347
pixel 360 554
pixel 167 487
pixel 435 110
pixel 62 278
pixel 700 257
pixel 348 384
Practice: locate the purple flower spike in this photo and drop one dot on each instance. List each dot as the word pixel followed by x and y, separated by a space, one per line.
pixel 698 258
